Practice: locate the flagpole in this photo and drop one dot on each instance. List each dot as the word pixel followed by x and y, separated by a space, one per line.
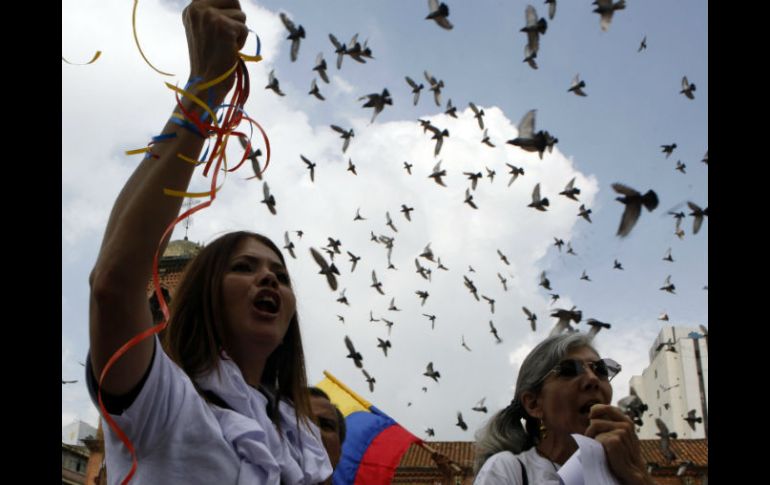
pixel 432 450
pixel 363 402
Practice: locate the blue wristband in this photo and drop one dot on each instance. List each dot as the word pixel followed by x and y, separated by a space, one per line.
pixel 187 125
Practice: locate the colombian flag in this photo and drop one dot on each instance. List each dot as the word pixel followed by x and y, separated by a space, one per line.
pixel 374 442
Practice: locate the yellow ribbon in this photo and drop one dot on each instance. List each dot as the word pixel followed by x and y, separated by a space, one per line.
pixel 96 56
pixel 136 39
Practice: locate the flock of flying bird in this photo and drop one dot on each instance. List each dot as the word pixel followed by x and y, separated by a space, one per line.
pixel 528 139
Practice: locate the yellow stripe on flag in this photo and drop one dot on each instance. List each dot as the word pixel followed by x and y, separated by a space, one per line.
pixel 343 397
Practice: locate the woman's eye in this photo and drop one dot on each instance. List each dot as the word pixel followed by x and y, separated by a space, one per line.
pixel 241 266
pixel 283 278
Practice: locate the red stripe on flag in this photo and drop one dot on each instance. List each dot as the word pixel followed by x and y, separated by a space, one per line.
pixel 379 463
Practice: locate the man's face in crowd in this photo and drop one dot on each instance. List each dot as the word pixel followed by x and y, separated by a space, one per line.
pixel 326 418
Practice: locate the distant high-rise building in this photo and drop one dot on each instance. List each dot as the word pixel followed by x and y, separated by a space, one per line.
pixel 76 431
pixel 675 384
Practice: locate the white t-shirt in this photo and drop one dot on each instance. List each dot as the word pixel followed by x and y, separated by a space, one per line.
pixel 179 438
pixel 503 468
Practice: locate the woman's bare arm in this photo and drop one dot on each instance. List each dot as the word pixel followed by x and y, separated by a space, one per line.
pixel 118 303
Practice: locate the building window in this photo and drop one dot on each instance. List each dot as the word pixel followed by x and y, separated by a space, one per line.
pixel 659 413
pixel 658 391
pixel 656 373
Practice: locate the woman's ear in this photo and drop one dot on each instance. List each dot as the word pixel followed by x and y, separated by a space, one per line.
pixel 531 404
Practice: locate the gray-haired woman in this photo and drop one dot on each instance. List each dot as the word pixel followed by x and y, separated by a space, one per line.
pixel 563 388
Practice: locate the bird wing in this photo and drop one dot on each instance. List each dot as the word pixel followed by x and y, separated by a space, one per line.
pixel 536 194
pixel 527 125
pixel 318 257
pixel 625 190
pixel 628 220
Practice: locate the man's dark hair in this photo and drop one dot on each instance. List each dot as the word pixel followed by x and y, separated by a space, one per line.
pixel 341 429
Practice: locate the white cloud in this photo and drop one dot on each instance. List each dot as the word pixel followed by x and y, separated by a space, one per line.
pixel 340 85
pixel 460 235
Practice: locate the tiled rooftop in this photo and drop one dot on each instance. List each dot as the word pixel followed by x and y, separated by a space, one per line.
pixel 461 452
pixel 695 451
pixel 417 467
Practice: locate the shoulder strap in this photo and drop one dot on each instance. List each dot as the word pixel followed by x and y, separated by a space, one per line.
pixel 523 472
pixel 215 399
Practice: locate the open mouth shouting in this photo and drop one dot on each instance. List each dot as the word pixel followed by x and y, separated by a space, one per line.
pixel 267 302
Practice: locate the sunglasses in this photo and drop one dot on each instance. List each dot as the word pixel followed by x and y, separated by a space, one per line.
pixel 604 369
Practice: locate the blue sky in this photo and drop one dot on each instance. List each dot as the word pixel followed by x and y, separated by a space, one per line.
pixel 612 135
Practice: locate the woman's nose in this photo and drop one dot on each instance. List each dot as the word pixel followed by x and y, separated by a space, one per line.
pixel 267 278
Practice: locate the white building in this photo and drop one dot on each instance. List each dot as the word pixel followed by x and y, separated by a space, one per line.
pixel 76 431
pixel 675 382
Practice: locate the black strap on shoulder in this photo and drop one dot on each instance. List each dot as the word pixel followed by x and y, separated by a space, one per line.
pixel 523 472
pixel 215 399
pixel 272 404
